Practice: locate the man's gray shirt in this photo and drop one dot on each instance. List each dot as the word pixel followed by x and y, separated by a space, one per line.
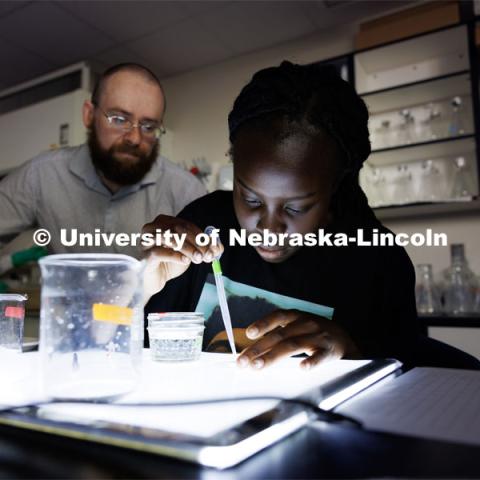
pixel 61 190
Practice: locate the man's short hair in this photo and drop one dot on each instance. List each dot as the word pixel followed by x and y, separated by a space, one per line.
pixel 123 67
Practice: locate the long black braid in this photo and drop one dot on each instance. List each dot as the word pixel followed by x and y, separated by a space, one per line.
pixel 315 98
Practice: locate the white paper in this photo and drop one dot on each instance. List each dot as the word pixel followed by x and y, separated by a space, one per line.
pixel 435 403
pixel 214 376
pixel 19 378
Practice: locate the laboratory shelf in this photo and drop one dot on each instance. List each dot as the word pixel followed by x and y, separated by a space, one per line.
pixel 471 321
pixel 427 209
pixel 424 144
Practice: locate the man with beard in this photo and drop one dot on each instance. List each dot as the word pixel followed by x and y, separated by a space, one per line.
pixel 115 183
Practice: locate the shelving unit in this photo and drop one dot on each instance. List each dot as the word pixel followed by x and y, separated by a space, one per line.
pixel 422 96
pixel 423 73
pixel 446 321
pixel 427 149
pixel 423 57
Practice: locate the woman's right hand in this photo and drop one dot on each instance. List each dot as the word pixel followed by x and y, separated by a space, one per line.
pixel 164 262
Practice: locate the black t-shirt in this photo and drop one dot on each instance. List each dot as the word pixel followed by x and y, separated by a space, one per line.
pixel 370 289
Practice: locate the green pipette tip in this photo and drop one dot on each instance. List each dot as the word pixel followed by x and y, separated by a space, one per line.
pixel 217 269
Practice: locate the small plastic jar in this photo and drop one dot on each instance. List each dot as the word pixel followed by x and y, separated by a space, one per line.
pixel 175 336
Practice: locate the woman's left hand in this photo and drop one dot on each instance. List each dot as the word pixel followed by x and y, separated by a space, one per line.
pixel 284 333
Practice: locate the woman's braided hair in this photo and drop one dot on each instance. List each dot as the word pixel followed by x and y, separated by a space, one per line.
pixel 313 98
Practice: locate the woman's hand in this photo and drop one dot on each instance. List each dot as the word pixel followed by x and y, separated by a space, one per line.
pixel 164 262
pixel 290 332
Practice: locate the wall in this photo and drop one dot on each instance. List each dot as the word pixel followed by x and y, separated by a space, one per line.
pixel 198 102
pixel 460 228
pixel 26 132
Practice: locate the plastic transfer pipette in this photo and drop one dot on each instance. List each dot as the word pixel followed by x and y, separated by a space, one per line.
pixel 222 298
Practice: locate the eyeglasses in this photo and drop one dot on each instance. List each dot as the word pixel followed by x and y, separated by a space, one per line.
pixel 150 130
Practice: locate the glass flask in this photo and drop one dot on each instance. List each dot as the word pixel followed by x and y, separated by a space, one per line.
pixel 403 185
pixel 374 185
pixel 476 305
pixel 461 181
pixel 456 123
pixel 426 292
pixel 383 136
pixel 406 128
pixel 432 123
pixel 460 284
pixel 432 182
pixel 91 325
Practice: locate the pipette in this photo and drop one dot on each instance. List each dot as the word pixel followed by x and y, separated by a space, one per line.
pixel 222 298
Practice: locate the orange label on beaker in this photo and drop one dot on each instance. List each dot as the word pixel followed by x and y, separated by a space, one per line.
pixel 103 312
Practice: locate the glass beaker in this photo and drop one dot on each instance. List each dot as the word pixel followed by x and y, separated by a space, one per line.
pixel 12 315
pixel 91 325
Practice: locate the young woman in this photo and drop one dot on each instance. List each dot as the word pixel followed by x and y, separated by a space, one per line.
pixel 299 136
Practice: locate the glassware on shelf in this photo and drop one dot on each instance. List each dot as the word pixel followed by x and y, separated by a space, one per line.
pixel 403 185
pixel 476 303
pixel 461 181
pixel 431 184
pixel 433 123
pixel 460 284
pixel 426 292
pixel 382 138
pixel 456 124
pixel 406 128
pixel 375 180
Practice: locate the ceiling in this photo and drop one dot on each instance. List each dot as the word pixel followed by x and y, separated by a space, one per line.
pixel 170 37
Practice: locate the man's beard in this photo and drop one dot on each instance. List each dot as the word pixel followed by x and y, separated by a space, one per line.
pixel 113 169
